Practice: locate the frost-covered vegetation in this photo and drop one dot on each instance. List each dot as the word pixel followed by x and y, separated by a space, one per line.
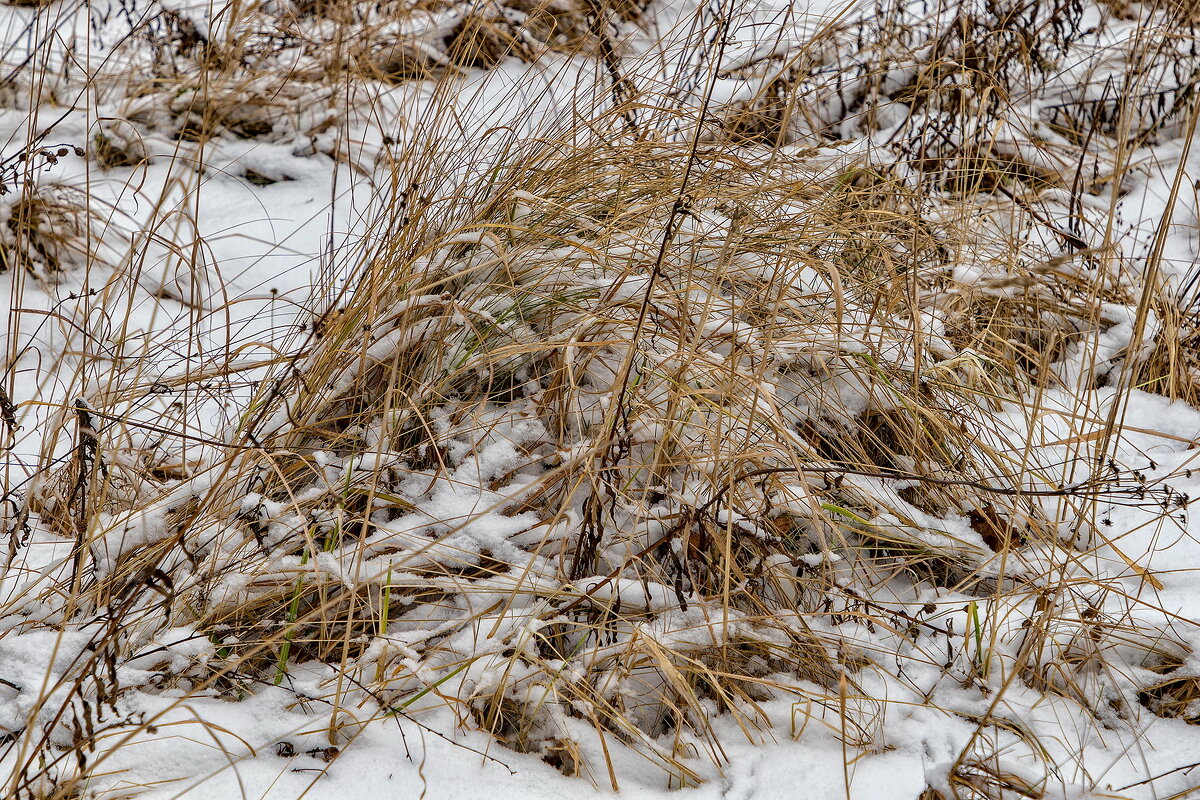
pixel 744 398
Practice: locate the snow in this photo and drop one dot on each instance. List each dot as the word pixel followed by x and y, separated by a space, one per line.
pixel 208 271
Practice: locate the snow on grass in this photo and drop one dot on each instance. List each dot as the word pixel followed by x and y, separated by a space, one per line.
pixel 755 400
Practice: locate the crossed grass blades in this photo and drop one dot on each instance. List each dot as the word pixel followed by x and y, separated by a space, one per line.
pixel 627 433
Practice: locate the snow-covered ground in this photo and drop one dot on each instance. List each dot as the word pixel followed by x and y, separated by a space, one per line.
pixel 176 255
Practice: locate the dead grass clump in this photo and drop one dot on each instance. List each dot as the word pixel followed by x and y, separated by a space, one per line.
pixel 430 41
pixel 629 435
pixel 1173 698
pixel 626 438
pixel 982 780
pixel 762 122
pixel 399 61
pixel 994 325
pixel 49 231
pixel 485 39
pixel 191 112
pixel 1172 689
pixel 1172 367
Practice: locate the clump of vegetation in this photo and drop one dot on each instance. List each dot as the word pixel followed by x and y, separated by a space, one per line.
pixel 676 409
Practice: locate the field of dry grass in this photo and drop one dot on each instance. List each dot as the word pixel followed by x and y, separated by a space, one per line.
pixel 607 385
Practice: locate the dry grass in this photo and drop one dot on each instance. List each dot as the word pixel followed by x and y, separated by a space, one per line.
pixel 635 429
